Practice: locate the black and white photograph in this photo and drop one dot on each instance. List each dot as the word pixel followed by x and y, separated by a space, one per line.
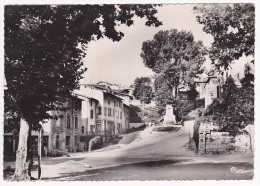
pixel 129 91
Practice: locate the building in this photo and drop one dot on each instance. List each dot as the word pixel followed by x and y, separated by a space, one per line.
pixel 65 132
pixel 209 88
pixel 104 112
pixel 58 135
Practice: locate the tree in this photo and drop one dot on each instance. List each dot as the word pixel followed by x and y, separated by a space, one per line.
pixel 193 94
pixel 175 56
pixel 162 93
pixel 143 90
pixel 235 109
pixel 232 27
pixel 44 50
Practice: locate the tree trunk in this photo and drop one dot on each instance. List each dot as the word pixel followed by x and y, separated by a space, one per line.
pixel 174 90
pixel 29 152
pixel 21 166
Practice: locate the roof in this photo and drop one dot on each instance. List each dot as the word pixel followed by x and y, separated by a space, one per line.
pixel 83 97
pixel 206 79
pixel 112 95
pixel 104 88
pixel 107 90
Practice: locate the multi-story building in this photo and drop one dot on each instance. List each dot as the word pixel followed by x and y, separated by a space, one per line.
pixel 65 132
pixel 58 135
pixel 104 113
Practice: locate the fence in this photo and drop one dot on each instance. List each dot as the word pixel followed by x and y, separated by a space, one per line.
pixel 99 133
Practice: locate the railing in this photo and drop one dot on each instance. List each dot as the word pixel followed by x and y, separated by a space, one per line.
pixel 99 133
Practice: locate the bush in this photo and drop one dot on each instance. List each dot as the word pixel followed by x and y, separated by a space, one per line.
pixel 235 109
pixel 200 103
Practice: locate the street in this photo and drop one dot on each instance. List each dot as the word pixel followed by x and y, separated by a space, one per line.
pixel 164 170
pixel 148 155
pixel 151 156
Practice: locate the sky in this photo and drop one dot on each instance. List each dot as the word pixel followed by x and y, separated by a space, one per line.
pixel 120 62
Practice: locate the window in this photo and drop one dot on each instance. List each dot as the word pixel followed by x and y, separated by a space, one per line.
pixel 92 128
pixel 120 104
pixel 58 122
pixel 113 126
pixel 114 102
pixel 99 110
pixel 98 127
pixel 108 125
pixel 67 140
pixel 82 129
pixel 120 115
pixel 76 122
pixel 105 111
pixel 68 122
pixel 91 103
pixel 113 112
pixel 91 114
pixel 119 127
pixel 75 141
pixel 75 105
pixel 109 112
pixel 57 141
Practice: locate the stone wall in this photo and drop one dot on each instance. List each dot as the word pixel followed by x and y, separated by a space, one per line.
pixel 222 142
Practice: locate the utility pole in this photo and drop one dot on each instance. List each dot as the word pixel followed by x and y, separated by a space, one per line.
pixel 250 138
pixel 39 152
pixel 189 139
pixel 205 142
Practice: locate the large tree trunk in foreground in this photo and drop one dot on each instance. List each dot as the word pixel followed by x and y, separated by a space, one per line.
pixel 21 166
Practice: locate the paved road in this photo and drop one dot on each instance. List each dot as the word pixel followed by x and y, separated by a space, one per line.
pixel 152 156
pixel 166 170
pixel 158 156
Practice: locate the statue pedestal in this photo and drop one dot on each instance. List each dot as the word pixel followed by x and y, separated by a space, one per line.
pixel 169 117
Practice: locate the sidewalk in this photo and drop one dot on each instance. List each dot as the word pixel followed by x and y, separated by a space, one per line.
pixel 64 164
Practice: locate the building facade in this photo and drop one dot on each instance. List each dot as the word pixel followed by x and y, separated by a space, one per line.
pixel 65 132
pixel 209 88
pixel 104 113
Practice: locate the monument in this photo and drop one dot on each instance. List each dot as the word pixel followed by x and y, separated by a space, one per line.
pixel 169 117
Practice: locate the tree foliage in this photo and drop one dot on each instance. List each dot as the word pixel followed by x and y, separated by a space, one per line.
pixel 11 116
pixel 175 56
pixel 192 93
pixel 232 27
pixel 45 46
pixel 143 90
pixel 162 93
pixel 44 50
pixel 235 109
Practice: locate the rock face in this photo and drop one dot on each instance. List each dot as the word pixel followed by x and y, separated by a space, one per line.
pixel 169 117
pixel 95 143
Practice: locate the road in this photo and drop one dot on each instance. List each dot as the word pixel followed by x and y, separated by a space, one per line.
pixel 151 156
pixel 165 170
